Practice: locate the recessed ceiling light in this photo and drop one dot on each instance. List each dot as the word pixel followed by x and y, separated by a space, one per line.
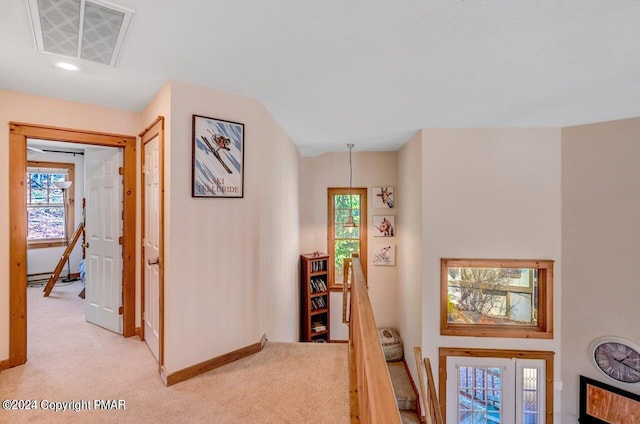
pixel 67 66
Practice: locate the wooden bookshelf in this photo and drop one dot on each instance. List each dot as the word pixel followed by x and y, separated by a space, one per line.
pixel 314 298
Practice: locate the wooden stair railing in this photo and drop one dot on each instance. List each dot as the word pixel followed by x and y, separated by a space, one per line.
pixel 347 276
pixel 432 412
pixel 65 256
pixel 372 398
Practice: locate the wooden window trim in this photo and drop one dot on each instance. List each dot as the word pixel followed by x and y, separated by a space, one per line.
pixel 544 329
pixel 332 191
pixel 43 244
pixel 70 218
pixel 546 356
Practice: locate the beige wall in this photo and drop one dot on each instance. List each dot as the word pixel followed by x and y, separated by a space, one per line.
pixel 221 269
pixel 489 193
pixel 31 109
pixel 332 170
pixel 410 262
pixel 279 235
pixel 600 249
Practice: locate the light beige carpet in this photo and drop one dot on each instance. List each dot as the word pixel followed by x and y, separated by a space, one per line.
pixel 71 360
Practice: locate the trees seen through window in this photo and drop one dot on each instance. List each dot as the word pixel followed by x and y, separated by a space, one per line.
pixel 47 222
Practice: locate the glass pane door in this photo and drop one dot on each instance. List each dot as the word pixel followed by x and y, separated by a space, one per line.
pixel 479 395
pixel 483 393
pixel 495 390
pixel 530 391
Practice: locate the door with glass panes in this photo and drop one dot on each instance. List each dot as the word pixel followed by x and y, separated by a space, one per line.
pixel 495 390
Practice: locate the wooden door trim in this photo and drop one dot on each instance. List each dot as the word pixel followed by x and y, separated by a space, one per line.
pixel 18 134
pixel 155 129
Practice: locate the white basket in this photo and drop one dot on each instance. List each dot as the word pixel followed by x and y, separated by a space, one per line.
pixel 391 344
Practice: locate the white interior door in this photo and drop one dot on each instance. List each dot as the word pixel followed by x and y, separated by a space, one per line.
pixel 495 391
pixel 151 243
pixel 103 228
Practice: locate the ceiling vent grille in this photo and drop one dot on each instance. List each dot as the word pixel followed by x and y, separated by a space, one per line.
pixel 83 29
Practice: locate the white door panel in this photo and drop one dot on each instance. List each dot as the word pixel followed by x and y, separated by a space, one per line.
pixel 151 243
pixel 103 228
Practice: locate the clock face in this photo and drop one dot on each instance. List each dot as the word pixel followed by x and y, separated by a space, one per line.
pixel 618 360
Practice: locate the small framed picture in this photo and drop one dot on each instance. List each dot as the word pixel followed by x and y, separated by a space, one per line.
pixel 218 158
pixel 384 226
pixel 383 197
pixel 384 255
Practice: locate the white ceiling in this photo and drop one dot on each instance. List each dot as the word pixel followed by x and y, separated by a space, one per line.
pixel 364 72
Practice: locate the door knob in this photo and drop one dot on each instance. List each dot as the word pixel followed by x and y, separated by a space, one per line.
pixel 153 261
pixel 85 245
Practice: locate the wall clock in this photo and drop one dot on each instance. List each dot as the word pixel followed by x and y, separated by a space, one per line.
pixel 617 358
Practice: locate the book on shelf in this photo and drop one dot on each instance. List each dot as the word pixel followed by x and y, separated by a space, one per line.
pixel 320 284
pixel 317 285
pixel 323 302
pixel 318 327
pixel 315 266
pixel 318 303
pixel 319 266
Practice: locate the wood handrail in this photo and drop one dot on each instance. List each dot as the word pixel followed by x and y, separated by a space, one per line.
pixel 432 412
pixel 65 256
pixel 375 399
pixel 423 398
pixel 347 271
pixel 433 396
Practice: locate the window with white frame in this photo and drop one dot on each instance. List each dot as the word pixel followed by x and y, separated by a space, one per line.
pixel 49 208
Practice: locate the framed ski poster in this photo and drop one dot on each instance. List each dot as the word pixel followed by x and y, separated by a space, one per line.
pixel 218 158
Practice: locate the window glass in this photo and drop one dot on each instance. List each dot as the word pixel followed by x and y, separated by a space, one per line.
pixel 492 296
pixel 46 203
pixel 497 298
pixel 530 403
pixel 344 241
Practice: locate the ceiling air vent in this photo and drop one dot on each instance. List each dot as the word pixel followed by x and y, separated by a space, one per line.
pixel 83 29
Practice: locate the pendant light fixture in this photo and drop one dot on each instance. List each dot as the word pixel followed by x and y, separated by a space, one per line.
pixel 350 223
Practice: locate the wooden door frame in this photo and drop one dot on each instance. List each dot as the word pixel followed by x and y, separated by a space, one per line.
pixel 156 129
pixel 545 355
pixel 18 134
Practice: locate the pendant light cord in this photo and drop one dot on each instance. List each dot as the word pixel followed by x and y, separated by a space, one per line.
pixel 350 179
